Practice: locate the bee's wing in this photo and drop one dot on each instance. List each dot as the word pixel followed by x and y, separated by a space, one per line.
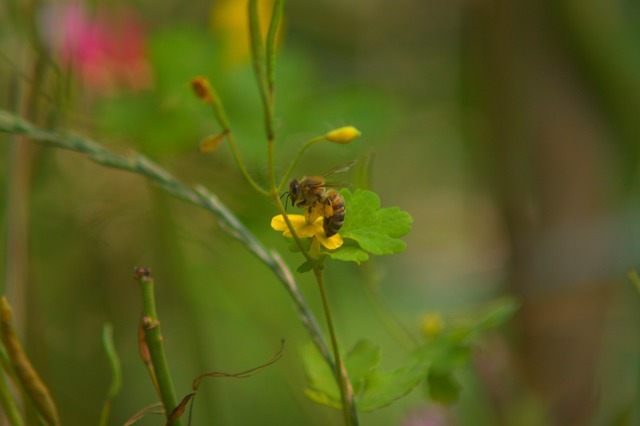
pixel 341 168
pixel 338 185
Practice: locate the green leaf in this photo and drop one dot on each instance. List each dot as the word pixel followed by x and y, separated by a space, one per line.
pixel 373 387
pixel 443 353
pixel 305 267
pixel 495 314
pixel 375 229
pixel 450 350
pixel 321 382
pixel 362 359
pixel 349 254
pixel 383 388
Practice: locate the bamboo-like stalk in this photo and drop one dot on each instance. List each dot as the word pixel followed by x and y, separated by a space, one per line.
pixel 153 338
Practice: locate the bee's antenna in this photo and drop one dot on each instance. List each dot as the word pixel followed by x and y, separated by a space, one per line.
pixel 286 203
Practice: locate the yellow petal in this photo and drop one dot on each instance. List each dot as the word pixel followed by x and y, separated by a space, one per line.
pixel 332 242
pixel 299 222
pixel 314 251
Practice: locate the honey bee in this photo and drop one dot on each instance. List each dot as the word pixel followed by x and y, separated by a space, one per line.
pixel 311 193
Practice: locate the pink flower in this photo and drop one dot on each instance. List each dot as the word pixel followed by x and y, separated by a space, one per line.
pixel 106 54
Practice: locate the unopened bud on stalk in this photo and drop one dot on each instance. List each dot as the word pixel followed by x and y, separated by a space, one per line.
pixel 212 142
pixel 202 89
pixel 343 135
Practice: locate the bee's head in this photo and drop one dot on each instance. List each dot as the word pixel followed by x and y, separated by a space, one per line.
pixel 293 193
pixel 294 190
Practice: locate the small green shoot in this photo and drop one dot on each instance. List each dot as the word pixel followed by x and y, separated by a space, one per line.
pixel 116 373
pixel 434 363
pixel 372 386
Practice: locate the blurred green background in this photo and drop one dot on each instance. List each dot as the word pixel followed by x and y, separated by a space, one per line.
pixel 509 130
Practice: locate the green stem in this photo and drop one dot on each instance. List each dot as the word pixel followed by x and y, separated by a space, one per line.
pixel 153 337
pixel 218 108
pixel 293 164
pixel 292 229
pixel 241 166
pixel 276 20
pixel 346 392
pixel 258 56
pixel 221 117
pixel 116 373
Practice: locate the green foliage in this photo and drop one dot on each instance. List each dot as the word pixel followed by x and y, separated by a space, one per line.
pixel 451 349
pixel 164 121
pixel 373 388
pixel 376 230
pixel 116 372
pixel 442 386
pixel 435 362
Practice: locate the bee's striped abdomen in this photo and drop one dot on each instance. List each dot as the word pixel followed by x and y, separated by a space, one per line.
pixel 332 223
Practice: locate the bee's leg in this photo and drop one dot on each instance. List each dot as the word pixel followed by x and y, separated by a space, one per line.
pixel 312 214
pixel 328 208
pixel 328 217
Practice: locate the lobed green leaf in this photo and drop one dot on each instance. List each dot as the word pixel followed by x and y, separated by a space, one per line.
pixel 376 230
pixel 349 254
pixel 383 388
pixel 373 387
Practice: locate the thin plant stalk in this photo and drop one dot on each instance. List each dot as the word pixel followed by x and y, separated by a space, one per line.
pixel 221 117
pixel 293 164
pixel 267 93
pixel 116 373
pixel 272 41
pixel 349 410
pixel 243 169
pixel 346 391
pixel 153 338
pixel 258 55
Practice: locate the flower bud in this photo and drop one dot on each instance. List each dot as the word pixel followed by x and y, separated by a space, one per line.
pixel 202 88
pixel 343 135
pixel 212 142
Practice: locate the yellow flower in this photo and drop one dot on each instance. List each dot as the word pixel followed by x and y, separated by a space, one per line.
pixel 343 135
pixel 229 19
pixel 307 229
